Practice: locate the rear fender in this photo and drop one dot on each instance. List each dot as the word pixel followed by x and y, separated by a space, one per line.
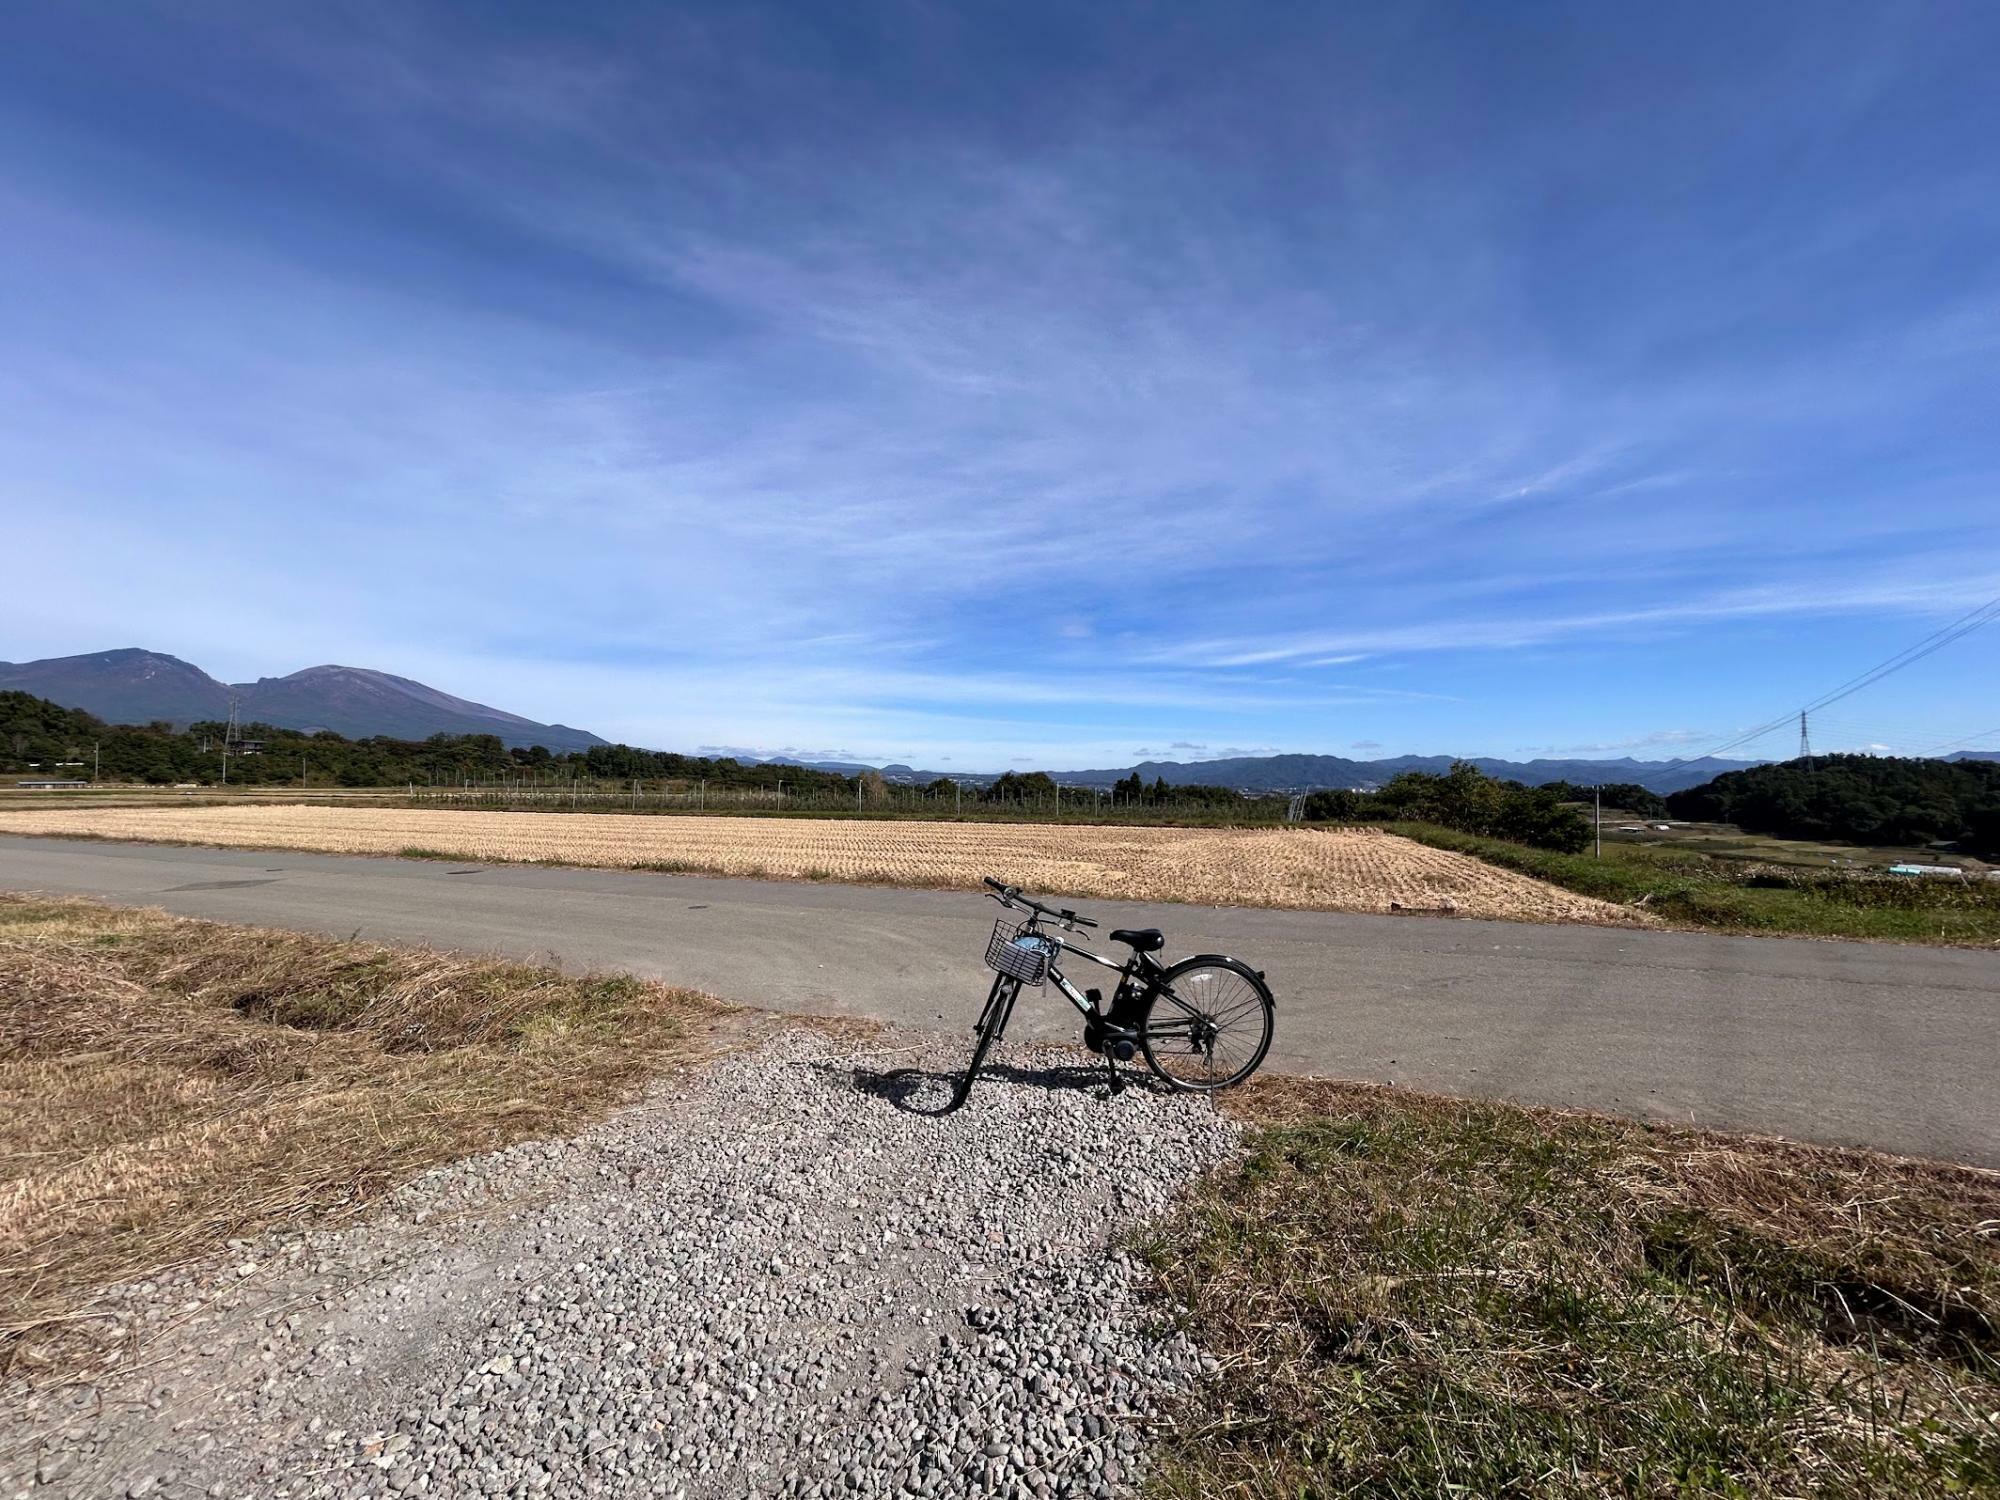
pixel 1224 958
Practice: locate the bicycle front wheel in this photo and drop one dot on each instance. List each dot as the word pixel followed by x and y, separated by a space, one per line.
pixel 1208 1024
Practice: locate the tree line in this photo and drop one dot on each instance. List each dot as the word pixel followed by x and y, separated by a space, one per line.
pixel 43 737
pixel 1464 798
pixel 1861 799
pixel 1039 789
pixel 1626 796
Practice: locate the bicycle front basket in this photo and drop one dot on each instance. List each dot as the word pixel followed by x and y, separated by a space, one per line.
pixel 1018 953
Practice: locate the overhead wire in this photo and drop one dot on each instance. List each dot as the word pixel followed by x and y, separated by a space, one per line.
pixel 1945 747
pixel 1937 640
pixel 1963 626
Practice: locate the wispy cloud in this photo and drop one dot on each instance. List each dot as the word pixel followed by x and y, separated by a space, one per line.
pixel 1888 594
pixel 715 378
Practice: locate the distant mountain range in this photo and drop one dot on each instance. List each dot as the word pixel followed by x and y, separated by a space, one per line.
pixel 132 686
pixel 1311 773
pixel 1305 773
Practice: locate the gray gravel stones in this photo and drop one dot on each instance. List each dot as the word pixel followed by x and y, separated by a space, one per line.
pixel 766 1279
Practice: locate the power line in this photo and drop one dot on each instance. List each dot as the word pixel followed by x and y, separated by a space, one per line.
pixel 1937 640
pixel 1963 626
pixel 1947 746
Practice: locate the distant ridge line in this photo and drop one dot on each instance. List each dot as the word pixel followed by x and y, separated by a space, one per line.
pixel 1311 773
pixel 135 686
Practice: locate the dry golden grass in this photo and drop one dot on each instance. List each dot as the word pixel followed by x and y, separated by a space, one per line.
pixel 1306 868
pixel 1412 1295
pixel 167 1084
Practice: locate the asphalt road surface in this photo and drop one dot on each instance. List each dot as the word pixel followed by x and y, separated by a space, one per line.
pixel 1848 1043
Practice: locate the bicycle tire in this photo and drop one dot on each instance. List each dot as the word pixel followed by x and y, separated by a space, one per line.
pixel 1236 1005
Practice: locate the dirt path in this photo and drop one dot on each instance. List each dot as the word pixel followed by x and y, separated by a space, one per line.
pixel 767 1279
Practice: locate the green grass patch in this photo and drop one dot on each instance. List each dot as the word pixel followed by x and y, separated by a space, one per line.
pixel 1423 1297
pixel 1699 890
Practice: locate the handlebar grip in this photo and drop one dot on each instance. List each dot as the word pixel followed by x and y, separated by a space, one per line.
pixel 995 884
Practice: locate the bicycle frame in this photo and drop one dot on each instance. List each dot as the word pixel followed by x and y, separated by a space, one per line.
pixel 1133 968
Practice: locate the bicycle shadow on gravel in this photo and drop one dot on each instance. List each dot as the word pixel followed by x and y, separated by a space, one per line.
pixel 926 1091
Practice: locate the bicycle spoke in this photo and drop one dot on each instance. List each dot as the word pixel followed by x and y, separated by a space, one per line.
pixel 1207 1026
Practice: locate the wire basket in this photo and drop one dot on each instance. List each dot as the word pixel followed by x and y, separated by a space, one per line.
pixel 1018 953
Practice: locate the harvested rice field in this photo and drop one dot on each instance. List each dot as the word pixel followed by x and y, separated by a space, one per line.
pixel 1298 868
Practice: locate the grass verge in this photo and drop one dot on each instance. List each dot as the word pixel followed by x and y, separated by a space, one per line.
pixel 1414 1296
pixel 170 1084
pixel 1697 890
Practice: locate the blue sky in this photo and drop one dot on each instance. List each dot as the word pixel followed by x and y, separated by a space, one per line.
pixel 1014 384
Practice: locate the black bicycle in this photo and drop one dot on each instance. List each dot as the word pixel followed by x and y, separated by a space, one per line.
pixel 1202 1024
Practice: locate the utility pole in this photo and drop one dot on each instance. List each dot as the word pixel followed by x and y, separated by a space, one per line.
pixel 302 770
pixel 1597 801
pixel 96 760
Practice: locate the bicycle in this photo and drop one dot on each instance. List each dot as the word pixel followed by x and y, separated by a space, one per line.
pixel 1184 1018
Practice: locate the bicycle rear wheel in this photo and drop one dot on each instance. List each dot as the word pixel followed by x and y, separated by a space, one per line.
pixel 1208 1024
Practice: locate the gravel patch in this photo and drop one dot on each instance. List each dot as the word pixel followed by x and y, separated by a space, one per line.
pixel 765 1279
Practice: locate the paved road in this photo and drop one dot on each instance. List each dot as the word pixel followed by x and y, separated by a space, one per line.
pixel 1850 1043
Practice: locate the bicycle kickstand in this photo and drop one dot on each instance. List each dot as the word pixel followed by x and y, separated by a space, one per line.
pixel 1111 1074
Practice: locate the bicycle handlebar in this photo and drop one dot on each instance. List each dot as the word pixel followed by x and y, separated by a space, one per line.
pixel 1010 895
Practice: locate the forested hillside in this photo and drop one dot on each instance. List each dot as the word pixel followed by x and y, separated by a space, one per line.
pixel 1866 799
pixel 1627 796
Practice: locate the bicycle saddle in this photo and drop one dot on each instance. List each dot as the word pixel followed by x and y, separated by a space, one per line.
pixel 1140 939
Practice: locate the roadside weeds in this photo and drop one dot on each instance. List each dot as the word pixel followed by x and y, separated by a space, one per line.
pixel 172 1084
pixel 1418 1295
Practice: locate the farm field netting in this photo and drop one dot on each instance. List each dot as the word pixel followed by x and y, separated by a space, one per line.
pixel 1305 868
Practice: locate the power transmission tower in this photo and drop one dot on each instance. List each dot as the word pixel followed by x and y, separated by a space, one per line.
pixel 231 736
pixel 1805 741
